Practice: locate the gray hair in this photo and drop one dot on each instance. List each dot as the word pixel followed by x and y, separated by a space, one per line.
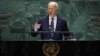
pixel 54 3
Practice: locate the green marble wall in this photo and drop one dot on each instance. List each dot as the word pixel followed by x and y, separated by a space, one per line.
pixel 83 18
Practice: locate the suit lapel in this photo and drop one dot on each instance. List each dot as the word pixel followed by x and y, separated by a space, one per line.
pixel 47 23
pixel 58 24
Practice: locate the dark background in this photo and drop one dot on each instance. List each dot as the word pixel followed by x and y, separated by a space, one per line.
pixel 67 48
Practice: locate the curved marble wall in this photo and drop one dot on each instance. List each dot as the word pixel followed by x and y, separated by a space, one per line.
pixel 83 18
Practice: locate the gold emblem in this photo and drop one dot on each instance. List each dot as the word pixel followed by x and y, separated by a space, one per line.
pixel 51 49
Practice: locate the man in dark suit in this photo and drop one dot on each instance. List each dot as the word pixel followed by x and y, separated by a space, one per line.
pixel 52 23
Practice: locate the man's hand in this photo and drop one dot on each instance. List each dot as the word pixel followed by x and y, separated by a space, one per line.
pixel 37 26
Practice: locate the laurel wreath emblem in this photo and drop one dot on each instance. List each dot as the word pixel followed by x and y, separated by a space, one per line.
pixel 51 49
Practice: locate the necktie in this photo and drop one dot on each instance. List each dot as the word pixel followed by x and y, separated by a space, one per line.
pixel 52 24
pixel 52 27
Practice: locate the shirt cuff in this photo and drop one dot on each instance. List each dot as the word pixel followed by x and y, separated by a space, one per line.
pixel 35 30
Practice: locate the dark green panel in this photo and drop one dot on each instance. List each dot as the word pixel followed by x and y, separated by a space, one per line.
pixel 80 15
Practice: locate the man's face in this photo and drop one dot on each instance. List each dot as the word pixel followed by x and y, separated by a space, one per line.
pixel 52 10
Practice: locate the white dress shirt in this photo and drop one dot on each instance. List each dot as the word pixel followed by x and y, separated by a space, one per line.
pixel 55 21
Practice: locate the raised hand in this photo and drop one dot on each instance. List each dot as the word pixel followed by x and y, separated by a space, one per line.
pixel 37 26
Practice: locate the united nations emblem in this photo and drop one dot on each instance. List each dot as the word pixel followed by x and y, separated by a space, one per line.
pixel 51 49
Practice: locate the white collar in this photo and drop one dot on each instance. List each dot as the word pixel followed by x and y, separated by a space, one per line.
pixel 55 17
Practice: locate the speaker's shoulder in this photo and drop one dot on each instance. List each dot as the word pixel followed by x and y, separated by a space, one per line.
pixel 62 19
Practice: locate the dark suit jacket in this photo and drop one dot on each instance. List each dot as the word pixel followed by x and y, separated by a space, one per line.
pixel 61 26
